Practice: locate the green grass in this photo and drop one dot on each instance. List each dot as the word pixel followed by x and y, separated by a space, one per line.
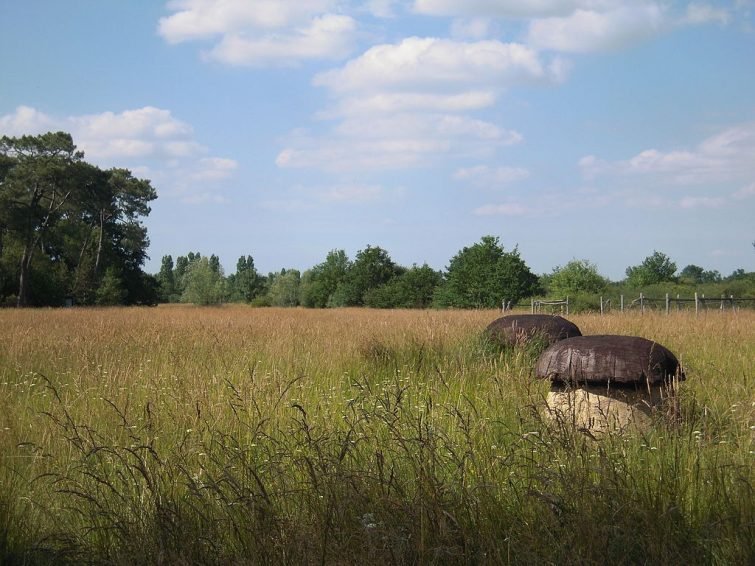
pixel 235 435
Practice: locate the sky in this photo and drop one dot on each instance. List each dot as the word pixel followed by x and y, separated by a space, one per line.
pixel 282 129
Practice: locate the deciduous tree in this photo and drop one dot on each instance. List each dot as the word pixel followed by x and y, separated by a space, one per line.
pixel 482 275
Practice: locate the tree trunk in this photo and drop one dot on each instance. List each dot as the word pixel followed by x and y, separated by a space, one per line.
pixel 23 279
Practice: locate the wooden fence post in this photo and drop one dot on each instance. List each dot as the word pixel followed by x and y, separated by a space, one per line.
pixel 667 303
pixel 697 304
pixel 567 305
pixel 642 304
pixel 532 305
pixel 622 303
pixel 601 304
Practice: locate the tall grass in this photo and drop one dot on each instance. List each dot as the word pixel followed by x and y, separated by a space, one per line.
pixel 237 435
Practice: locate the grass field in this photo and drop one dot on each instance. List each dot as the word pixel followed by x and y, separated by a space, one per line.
pixel 183 435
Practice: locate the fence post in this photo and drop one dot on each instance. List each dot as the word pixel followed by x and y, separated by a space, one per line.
pixel 697 304
pixel 667 303
pixel 731 298
pixel 601 304
pixel 677 302
pixel 622 303
pixel 567 305
pixel 642 304
pixel 532 305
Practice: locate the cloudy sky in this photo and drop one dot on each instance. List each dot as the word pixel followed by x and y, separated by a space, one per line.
pixel 596 129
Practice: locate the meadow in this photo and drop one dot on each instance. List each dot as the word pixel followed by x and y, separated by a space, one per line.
pixel 229 435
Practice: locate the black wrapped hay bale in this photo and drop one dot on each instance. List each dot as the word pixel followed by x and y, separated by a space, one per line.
pixel 518 329
pixel 603 383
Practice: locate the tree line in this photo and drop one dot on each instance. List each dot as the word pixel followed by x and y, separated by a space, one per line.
pixel 478 276
pixel 72 232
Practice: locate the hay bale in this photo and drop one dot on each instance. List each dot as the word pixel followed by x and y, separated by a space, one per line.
pixel 518 329
pixel 608 383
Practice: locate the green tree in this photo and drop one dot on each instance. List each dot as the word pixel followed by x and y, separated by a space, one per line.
pixel 482 275
pixel 372 267
pixel 284 288
pixel 203 284
pixel 577 276
pixel 694 274
pixel 111 290
pixel 246 283
pixel 319 285
pixel 413 289
pixel 64 221
pixel 166 279
pixel 656 268
pixel 36 184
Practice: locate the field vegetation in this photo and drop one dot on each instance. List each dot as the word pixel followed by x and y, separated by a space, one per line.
pixel 219 435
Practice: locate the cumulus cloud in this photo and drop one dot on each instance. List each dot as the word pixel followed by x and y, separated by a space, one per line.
pixel 261 32
pixel 326 37
pixel 504 8
pixel 26 120
pixel 406 104
pixel 148 140
pixel 589 30
pixel 726 156
pixel 436 65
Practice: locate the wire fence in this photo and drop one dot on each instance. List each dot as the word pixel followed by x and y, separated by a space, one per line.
pixel 698 303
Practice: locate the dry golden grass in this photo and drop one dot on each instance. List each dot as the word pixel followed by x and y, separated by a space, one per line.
pixel 333 419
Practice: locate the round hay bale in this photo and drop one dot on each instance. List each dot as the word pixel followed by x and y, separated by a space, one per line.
pixel 608 383
pixel 518 329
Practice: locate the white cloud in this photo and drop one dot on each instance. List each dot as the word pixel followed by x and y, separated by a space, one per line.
pixel 214 169
pixel 436 65
pixel 326 37
pixel 395 141
pixel 143 132
pixel 261 32
pixel 150 141
pixel 406 104
pixel 26 120
pixel 587 31
pixel 726 156
pixel 705 13
pixel 108 137
pixel 505 8
pixel 200 19
pixel 391 103
pixel 483 175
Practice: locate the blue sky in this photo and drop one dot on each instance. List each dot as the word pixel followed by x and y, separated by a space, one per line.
pixel 588 129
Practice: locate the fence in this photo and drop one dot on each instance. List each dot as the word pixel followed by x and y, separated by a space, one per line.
pixel 641 303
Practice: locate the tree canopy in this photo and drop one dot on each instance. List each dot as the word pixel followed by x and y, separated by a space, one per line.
pixel 577 276
pixel 68 227
pixel 483 275
pixel 656 268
